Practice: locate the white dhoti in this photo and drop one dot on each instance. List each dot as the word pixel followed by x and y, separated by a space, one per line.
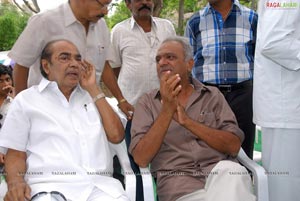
pixel 280 158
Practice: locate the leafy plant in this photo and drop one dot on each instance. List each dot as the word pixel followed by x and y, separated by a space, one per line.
pixel 12 23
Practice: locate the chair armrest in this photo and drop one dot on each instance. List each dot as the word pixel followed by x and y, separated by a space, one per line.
pixel 130 179
pixel 148 187
pixel 259 176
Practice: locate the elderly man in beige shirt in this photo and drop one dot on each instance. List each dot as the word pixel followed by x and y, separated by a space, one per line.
pixel 188 133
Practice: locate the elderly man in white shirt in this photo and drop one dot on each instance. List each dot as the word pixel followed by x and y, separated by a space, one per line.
pixel 276 95
pixel 58 133
pixel 81 22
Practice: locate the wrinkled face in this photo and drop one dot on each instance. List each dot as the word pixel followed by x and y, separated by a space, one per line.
pixel 170 57
pixel 65 65
pixel 93 10
pixel 5 80
pixel 140 8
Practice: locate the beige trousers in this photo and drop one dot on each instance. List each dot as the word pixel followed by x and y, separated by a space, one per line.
pixel 228 181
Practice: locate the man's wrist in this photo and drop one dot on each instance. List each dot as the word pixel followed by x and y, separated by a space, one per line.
pixel 123 100
pixel 98 97
pixel 95 91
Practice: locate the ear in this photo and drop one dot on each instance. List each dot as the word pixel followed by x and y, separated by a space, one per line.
pixel 128 4
pixel 190 65
pixel 46 66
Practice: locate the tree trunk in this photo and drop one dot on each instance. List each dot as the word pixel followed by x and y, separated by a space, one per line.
pixel 36 8
pixel 158 4
pixel 36 5
pixel 180 17
pixel 253 4
pixel 16 3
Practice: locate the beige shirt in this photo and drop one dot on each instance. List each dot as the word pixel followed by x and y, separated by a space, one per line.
pixel 60 23
pixel 134 51
pixel 184 161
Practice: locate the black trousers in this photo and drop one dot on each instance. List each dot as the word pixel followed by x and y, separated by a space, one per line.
pixel 240 101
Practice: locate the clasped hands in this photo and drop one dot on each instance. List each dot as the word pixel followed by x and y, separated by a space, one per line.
pixel 170 89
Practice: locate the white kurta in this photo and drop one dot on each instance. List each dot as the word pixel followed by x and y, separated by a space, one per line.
pixel 276 95
pixel 277 67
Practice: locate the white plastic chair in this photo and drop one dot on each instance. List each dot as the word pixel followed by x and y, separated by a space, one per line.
pixel 260 179
pixel 129 177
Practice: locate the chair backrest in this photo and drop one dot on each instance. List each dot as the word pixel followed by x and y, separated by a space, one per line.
pixel 130 180
pixel 260 179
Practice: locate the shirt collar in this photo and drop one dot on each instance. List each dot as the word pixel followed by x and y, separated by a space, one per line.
pixel 134 23
pixel 69 16
pixel 208 9
pixel 8 100
pixel 46 84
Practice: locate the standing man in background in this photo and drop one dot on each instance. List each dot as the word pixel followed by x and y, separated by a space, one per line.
pixel 223 36
pixel 134 45
pixel 276 95
pixel 135 42
pixel 81 22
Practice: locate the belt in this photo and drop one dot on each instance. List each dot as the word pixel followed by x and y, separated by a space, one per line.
pixel 231 87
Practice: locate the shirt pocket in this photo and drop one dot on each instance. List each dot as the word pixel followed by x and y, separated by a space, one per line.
pixel 208 119
pixel 92 114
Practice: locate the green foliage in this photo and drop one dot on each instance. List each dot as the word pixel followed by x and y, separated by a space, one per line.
pixel 169 11
pixel 121 13
pixel 12 23
pixel 171 7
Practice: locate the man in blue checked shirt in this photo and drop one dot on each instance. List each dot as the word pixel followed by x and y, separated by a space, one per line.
pixel 223 36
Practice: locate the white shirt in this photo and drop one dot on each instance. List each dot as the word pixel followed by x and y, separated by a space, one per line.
pixel 4 108
pixel 66 145
pixel 277 65
pixel 3 111
pixel 134 51
pixel 60 23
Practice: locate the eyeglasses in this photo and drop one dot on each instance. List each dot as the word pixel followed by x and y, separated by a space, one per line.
pixel 109 6
pixel 67 57
pixel 53 195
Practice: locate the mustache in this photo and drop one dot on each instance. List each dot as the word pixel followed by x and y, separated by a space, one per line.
pixel 164 69
pixel 145 7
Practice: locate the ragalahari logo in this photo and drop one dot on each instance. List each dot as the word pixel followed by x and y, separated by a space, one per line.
pixel 282 5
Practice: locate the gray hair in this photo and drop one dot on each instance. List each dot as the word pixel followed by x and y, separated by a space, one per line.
pixel 187 48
